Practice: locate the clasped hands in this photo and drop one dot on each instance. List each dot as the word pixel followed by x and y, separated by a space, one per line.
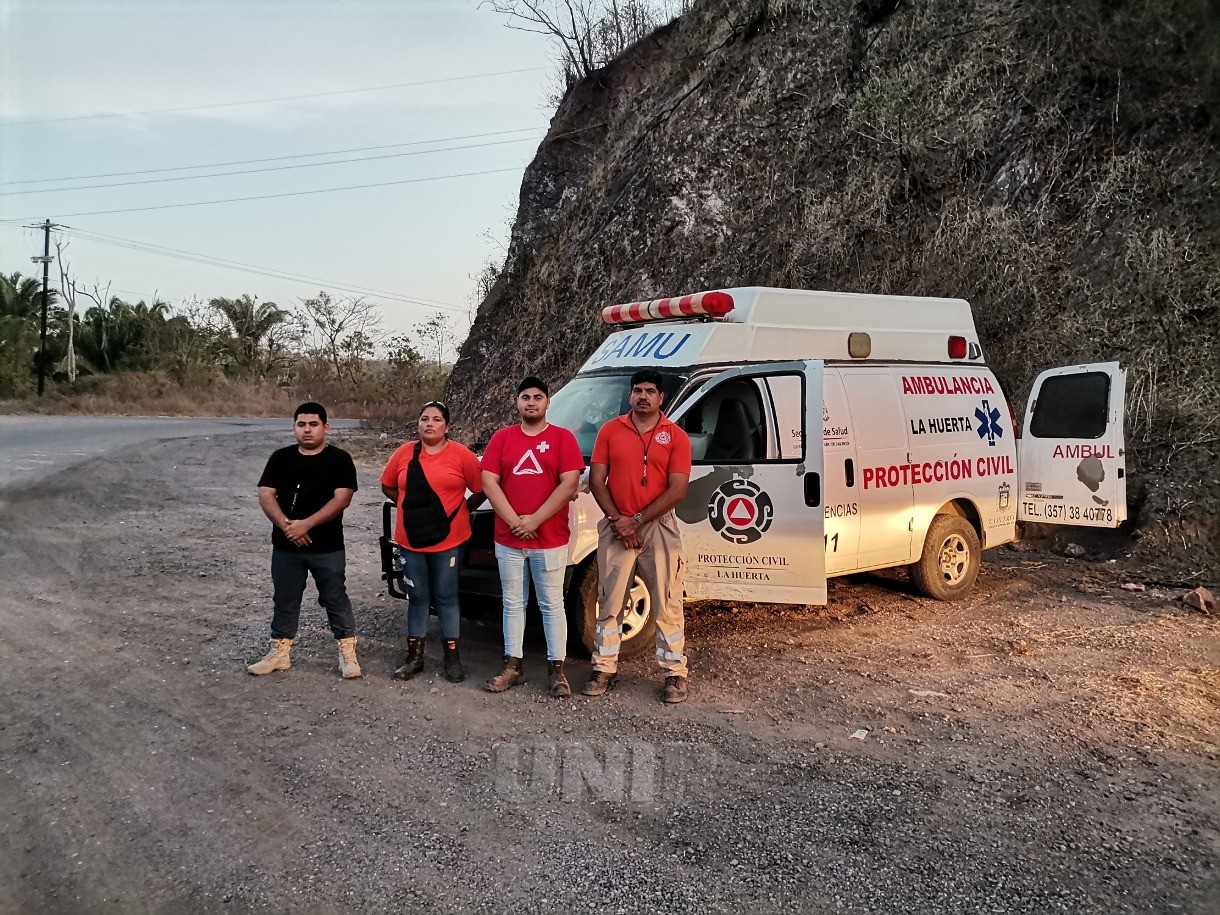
pixel 297 531
pixel 627 530
pixel 525 528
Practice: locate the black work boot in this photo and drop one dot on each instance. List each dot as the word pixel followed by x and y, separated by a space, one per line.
pixel 559 685
pixel 414 662
pixel 454 671
pixel 511 676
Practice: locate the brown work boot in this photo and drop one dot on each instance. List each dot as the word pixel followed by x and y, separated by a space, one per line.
pixel 414 662
pixel 559 685
pixel 511 676
pixel 275 659
pixel 454 671
pixel 599 682
pixel 349 667
pixel 676 690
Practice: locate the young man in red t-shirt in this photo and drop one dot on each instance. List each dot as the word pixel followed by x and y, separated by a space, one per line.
pixel 639 472
pixel 530 473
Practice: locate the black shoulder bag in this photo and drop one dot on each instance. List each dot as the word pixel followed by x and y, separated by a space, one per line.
pixel 423 515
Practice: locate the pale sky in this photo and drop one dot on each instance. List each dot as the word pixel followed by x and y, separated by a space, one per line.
pixel 63 62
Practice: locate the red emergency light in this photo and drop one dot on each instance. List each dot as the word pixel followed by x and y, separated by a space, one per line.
pixel 957 347
pixel 700 305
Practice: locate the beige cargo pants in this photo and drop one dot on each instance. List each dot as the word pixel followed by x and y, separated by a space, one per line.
pixel 659 563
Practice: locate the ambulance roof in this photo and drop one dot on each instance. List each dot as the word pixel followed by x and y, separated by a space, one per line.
pixel 772 325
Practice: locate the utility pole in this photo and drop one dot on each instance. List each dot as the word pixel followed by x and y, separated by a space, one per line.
pixel 45 260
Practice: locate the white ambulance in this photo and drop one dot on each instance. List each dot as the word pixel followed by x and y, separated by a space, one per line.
pixel 835 433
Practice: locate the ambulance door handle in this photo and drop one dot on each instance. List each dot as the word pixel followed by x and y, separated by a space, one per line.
pixel 849 472
pixel 813 489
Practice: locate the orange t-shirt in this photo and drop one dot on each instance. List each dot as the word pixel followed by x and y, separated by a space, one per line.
pixel 640 465
pixel 450 472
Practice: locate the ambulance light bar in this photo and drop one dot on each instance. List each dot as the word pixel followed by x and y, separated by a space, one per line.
pixel 699 305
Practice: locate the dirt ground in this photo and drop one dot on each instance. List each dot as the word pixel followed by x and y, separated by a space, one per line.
pixel 1049 745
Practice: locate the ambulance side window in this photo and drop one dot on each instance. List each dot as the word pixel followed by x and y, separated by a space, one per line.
pixel 788 408
pixel 1072 406
pixel 728 425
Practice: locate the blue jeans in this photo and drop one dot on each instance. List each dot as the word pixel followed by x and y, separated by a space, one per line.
pixel 432 578
pixel 546 567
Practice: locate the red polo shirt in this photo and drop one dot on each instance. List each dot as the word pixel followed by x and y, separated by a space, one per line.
pixel 640 465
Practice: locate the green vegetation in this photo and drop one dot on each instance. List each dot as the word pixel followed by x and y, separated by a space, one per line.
pixel 224 356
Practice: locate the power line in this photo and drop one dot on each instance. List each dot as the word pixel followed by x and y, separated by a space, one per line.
pixel 264 101
pixel 333 152
pixel 208 260
pixel 324 190
pixel 270 168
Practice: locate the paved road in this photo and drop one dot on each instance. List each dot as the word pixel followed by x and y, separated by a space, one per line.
pixel 33 448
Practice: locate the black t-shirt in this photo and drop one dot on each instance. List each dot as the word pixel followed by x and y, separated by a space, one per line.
pixel 303 483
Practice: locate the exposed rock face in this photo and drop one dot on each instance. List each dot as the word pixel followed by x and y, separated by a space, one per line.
pixel 1054 163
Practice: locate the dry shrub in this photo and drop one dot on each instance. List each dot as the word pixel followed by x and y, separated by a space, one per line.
pixel 382 395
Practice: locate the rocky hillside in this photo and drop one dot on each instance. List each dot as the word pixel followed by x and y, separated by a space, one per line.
pixel 1053 161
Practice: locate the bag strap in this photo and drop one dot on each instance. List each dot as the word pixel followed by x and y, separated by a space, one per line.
pixel 416 470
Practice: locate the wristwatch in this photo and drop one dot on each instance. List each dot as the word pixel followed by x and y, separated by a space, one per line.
pixel 638 517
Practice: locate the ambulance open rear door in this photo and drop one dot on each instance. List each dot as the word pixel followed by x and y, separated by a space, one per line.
pixel 754 516
pixel 1071 459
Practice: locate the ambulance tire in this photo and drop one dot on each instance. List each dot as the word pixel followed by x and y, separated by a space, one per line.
pixel 640 625
pixel 950 561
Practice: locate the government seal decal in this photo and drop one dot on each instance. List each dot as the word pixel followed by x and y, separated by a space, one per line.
pixel 740 511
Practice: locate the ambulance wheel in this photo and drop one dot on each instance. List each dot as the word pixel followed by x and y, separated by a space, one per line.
pixel 639 624
pixel 950 561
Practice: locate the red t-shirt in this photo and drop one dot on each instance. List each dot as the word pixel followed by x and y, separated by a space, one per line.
pixel 662 451
pixel 529 467
pixel 450 472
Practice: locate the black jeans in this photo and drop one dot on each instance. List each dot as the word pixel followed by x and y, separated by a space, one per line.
pixel 288 571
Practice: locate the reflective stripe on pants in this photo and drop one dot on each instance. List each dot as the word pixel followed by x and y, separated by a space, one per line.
pixel 659 563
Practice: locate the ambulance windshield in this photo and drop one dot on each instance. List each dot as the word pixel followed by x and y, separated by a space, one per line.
pixel 586 402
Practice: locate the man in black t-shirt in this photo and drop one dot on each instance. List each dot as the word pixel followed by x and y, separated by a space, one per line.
pixel 303 491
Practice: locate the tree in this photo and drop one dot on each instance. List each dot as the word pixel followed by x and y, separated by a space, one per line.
pixel 252 325
pixel 67 289
pixel 20 308
pixel 119 335
pixel 346 331
pixel 21 297
pixel 591 33
pixel 193 340
pixel 437 336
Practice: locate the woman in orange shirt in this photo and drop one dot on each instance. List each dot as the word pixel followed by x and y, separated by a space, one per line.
pixel 430 573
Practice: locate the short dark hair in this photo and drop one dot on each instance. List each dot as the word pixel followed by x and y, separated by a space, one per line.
pixel 648 376
pixel 533 381
pixel 438 405
pixel 311 407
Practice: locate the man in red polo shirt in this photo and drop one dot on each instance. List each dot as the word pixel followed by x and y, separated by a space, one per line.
pixel 639 471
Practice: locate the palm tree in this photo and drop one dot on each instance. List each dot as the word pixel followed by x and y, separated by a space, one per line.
pixel 21 297
pixel 251 323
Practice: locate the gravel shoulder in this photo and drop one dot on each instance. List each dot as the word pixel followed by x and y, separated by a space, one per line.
pixel 1049 745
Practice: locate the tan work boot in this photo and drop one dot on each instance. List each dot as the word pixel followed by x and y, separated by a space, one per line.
pixel 349 667
pixel 276 659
